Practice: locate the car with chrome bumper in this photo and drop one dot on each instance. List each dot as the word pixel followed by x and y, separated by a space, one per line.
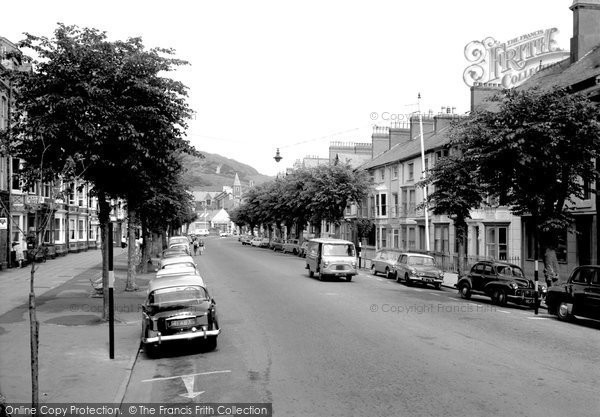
pixel 417 268
pixel 503 282
pixel 578 296
pixel 178 309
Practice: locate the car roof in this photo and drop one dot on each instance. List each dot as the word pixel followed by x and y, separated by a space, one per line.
pixel 183 269
pixel 426 255
pixel 176 281
pixel 331 240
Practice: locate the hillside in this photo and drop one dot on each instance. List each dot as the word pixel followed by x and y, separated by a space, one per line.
pixel 214 171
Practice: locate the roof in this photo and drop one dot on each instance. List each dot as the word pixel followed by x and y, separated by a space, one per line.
pixel 409 150
pixel 580 75
pixel 177 281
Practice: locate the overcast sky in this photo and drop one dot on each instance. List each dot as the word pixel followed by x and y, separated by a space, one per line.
pixel 297 75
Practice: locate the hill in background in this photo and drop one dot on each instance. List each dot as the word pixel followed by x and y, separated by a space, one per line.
pixel 214 171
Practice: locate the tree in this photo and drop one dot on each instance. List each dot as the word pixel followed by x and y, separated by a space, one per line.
pixel 535 153
pixel 455 192
pixel 104 108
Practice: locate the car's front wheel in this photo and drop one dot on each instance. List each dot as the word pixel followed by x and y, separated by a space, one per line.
pixel 348 278
pixel 562 312
pixel 499 296
pixel 373 270
pixel 407 280
pixel 465 291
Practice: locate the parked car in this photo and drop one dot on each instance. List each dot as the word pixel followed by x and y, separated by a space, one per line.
pixel 276 244
pixel 414 267
pixel 256 242
pixel 173 262
pixel 179 270
pixel 245 239
pixel 578 296
pixel 291 246
pixel 175 251
pixel 223 234
pixel 178 239
pixel 501 281
pixel 303 248
pixel 183 247
pixel 264 242
pixel 331 257
pixel 178 309
pixel 384 262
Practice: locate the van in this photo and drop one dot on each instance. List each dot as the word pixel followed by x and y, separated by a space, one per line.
pixel 331 257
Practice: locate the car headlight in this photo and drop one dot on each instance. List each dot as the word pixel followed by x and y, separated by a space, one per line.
pixel 413 271
pixel 325 264
pixel 513 285
pixel 441 274
pixel 353 264
pixel 544 289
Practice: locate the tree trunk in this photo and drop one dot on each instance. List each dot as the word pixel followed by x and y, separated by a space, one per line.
pixel 551 268
pixel 103 219
pixel 146 247
pixel 132 251
pixel 461 234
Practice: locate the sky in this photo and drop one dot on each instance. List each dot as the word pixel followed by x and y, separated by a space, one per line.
pixel 297 75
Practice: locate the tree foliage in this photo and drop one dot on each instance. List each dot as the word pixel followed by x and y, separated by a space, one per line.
pixel 308 194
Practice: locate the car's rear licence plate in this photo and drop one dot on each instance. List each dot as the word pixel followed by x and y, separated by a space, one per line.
pixel 179 323
pixel 428 279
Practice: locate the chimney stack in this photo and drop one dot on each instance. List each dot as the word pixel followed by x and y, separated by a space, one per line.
pixel 586 27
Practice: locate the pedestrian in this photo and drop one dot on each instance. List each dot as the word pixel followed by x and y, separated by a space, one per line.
pixel 196 245
pixel 201 246
pixel 18 254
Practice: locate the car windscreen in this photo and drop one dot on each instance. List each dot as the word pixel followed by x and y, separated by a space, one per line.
pixel 421 261
pixel 338 250
pixel 188 295
pixel 510 271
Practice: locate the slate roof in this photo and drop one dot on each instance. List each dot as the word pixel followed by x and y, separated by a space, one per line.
pixel 409 149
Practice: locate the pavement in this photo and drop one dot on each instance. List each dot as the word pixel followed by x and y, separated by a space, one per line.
pixel 74 363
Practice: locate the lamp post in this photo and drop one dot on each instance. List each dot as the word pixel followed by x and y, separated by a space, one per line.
pixel 423 175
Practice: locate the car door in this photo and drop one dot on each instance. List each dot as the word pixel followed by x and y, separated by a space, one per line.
pixel 591 297
pixel 401 266
pixel 577 288
pixel 476 276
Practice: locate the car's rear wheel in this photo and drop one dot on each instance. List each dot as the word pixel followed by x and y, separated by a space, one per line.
pixel 465 291
pixel 562 312
pixel 438 286
pixel 151 350
pixel 397 278
pixel 373 270
pixel 210 343
pixel 321 276
pixel 387 273
pixel 310 272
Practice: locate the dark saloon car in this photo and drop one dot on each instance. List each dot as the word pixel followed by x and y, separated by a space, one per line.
pixel 276 244
pixel 178 309
pixel 502 282
pixel 578 296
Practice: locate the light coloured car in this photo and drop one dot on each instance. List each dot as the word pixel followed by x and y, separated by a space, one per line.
pixel 178 239
pixel 418 267
pixel 179 270
pixel 291 246
pixel 183 247
pixel 174 262
pixel 256 242
pixel 384 262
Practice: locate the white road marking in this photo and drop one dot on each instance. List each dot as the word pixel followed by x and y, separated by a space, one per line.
pixel 435 293
pixel 538 318
pixel 503 311
pixel 182 376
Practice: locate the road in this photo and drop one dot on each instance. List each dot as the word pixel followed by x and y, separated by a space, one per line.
pixel 370 347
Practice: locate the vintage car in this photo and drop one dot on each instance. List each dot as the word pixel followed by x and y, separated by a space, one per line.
pixel 183 247
pixel 276 244
pixel 178 239
pixel 176 261
pixel 256 242
pixel 178 271
pixel 245 239
pixel 264 242
pixel 501 281
pixel 417 267
pixel 384 262
pixel 291 246
pixel 578 296
pixel 178 309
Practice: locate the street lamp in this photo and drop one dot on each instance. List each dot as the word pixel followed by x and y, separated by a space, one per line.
pixel 277 156
pixel 424 175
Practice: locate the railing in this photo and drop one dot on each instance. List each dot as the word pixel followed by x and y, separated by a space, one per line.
pixel 449 262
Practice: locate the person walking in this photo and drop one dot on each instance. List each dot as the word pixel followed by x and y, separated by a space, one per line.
pixel 201 246
pixel 195 244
